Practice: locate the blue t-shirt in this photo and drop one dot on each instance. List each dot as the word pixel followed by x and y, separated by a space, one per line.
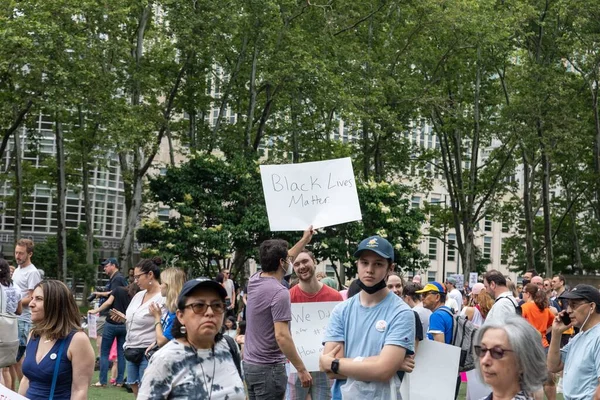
pixel 581 358
pixel 441 321
pixel 365 330
pixel 167 324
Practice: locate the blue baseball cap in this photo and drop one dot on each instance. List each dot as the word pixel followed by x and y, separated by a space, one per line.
pixel 193 284
pixel 110 260
pixel 378 245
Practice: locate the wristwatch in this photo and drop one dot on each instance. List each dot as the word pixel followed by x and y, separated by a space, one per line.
pixel 335 365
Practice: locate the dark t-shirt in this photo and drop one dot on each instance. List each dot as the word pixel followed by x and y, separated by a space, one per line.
pixel 115 281
pixel 418 327
pixel 121 302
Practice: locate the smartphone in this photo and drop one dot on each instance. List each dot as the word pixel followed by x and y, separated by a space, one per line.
pixel 565 319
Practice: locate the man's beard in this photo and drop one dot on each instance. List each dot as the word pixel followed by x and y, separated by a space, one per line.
pixel 311 275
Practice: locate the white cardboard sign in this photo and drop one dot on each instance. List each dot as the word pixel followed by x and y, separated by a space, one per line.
pixel 320 193
pixel 309 321
pixel 93 326
pixel 7 394
pixel 418 384
pixel 473 277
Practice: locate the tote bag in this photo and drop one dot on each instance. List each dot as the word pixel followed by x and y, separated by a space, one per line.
pixel 9 333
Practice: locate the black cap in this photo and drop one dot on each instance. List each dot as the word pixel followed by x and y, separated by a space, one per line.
pixel 582 292
pixel 111 261
pixel 191 285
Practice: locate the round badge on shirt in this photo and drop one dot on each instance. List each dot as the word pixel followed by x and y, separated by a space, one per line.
pixel 53 356
pixel 381 325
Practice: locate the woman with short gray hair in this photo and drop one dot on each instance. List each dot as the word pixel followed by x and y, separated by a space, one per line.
pixel 511 359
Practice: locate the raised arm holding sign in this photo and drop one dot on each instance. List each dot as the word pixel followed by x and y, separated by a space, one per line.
pixel 320 193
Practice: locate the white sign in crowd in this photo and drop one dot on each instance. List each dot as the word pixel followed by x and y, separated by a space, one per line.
pixel 320 193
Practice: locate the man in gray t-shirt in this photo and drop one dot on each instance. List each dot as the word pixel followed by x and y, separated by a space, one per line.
pixel 25 279
pixel 268 341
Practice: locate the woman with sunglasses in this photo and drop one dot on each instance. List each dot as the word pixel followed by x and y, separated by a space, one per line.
pixel 510 359
pixel 139 321
pixel 199 363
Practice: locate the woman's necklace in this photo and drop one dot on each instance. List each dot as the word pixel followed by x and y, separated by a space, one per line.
pixel 203 374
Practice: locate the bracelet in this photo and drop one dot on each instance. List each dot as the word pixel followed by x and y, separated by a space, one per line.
pixel 156 323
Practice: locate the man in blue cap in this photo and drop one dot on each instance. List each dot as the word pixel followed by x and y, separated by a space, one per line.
pixel 371 335
pixel 116 279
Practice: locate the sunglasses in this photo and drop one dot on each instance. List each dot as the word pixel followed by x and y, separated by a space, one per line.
pixel 497 353
pixel 217 307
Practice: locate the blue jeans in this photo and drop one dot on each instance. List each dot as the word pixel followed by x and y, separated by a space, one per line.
pixel 110 332
pixel 135 372
pixel 265 382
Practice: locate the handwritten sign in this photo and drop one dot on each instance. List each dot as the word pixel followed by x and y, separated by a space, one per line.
pixel 7 394
pixel 417 385
pixel 460 281
pixel 473 276
pixel 93 326
pixel 309 321
pixel 321 193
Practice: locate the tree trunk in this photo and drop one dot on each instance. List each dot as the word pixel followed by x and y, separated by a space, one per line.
pixel 528 175
pixel 61 195
pixel 252 103
pixel 546 202
pixel 171 150
pixel 365 150
pixel 18 185
pixel 133 212
pixel 594 89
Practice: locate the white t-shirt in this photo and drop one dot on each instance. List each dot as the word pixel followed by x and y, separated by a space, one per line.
pixel 13 296
pixel 178 371
pixel 451 304
pixel 505 306
pixel 230 288
pixel 26 279
pixel 140 322
pixel 455 294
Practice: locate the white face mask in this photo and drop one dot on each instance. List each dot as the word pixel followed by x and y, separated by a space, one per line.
pixel 290 269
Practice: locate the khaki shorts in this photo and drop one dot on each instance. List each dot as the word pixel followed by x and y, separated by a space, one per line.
pixel 100 325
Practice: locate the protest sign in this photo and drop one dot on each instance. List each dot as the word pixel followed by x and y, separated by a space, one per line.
pixel 417 385
pixel 321 193
pixel 473 279
pixel 460 281
pixel 7 394
pixel 309 321
pixel 92 326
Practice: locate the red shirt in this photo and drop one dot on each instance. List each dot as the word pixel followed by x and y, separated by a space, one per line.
pixel 325 294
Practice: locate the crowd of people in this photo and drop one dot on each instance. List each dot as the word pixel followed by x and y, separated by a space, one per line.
pixel 170 337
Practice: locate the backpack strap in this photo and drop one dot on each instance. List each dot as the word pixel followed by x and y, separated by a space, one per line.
pixel 235 353
pixel 454 327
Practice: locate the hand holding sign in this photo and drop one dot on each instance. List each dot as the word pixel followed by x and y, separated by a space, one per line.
pixel 320 193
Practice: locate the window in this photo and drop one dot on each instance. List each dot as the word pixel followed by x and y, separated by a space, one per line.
pixel 487 225
pixel 430 277
pixel 451 247
pixel 505 227
pixel 163 214
pixel 433 248
pixel 416 202
pixel 487 248
pixel 503 253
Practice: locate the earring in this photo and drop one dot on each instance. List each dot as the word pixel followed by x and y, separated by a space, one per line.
pixel 150 283
pixel 183 330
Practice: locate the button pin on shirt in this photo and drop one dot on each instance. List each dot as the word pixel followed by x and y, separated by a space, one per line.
pixel 381 325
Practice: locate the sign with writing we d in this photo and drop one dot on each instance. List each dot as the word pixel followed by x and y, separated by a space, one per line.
pixel 320 193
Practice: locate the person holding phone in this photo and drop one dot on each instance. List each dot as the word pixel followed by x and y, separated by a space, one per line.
pixel 580 358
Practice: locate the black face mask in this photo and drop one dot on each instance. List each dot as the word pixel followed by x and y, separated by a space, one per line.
pixel 526 282
pixel 372 289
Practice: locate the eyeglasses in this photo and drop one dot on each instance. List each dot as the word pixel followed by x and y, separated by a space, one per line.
pixel 497 353
pixel 136 277
pixel 217 307
pixel 576 304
